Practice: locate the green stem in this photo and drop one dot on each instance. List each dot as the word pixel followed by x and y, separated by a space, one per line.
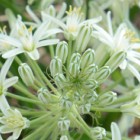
pixel 51 51
pixel 24 99
pixel 105 109
pixel 69 52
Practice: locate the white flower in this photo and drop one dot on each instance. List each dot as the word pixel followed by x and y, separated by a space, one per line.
pixel 13 122
pixel 5 84
pixel 116 135
pixel 122 40
pixel 74 21
pixel 26 42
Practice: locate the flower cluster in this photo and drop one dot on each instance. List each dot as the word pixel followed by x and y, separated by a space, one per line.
pixel 87 75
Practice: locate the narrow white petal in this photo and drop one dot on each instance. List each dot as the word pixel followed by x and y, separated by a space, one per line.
pixel 134 71
pixel 116 135
pixel 5 68
pixel 9 82
pixel 51 32
pixel 4 129
pixel 109 23
pixel 4 104
pixel 123 65
pixel 13 52
pixel 32 14
pixel 62 11
pixel 92 21
pixel 58 22
pixel 10 40
pixel 17 133
pixel 34 54
pixel 47 42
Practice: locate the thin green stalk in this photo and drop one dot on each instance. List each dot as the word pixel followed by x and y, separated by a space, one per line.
pixel 51 51
pixel 18 60
pixel 105 109
pixel 24 99
pixel 69 52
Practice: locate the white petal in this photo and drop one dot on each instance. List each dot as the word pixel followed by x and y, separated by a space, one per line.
pixel 13 52
pixel 115 132
pixel 47 42
pixel 10 81
pixel 10 40
pixel 134 71
pixel 17 133
pixel 123 65
pixel 32 15
pixel 58 22
pixel 92 21
pixel 51 32
pixel 109 23
pixel 4 129
pixel 4 106
pixel 5 68
pixel 34 54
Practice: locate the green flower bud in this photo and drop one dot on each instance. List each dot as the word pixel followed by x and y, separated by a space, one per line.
pixel 107 98
pixel 91 84
pixel 60 80
pixel 55 66
pixel 85 108
pixel 74 69
pixel 87 58
pixel 65 102
pixel 115 60
pixel 63 124
pixel 26 74
pixel 91 97
pixel 98 133
pixel 62 51
pixel 102 74
pixel 83 38
pixel 44 95
pixel 75 58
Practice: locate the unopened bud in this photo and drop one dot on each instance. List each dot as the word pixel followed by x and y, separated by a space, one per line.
pixel 26 74
pixel 75 58
pixel 65 102
pixel 85 108
pixel 74 69
pixel 44 95
pixel 107 98
pixel 55 66
pixel 64 124
pixel 51 11
pixel 115 60
pixel 98 133
pixel 91 97
pixel 102 73
pixel 83 38
pixel 60 80
pixel 91 84
pixel 87 58
pixel 62 51
pixel 64 137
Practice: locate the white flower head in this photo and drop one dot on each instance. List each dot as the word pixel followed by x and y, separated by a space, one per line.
pixel 27 42
pixel 13 122
pixel 74 20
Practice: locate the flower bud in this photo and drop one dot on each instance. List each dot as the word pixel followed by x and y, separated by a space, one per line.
pixel 83 38
pixel 102 73
pixel 64 137
pixel 87 58
pixel 65 102
pixel 85 108
pixel 62 51
pixel 44 95
pixel 63 124
pixel 55 66
pixel 26 74
pixel 98 132
pixel 107 98
pixel 91 97
pixel 75 58
pixel 115 60
pixel 60 80
pixel 74 69
pixel 91 84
